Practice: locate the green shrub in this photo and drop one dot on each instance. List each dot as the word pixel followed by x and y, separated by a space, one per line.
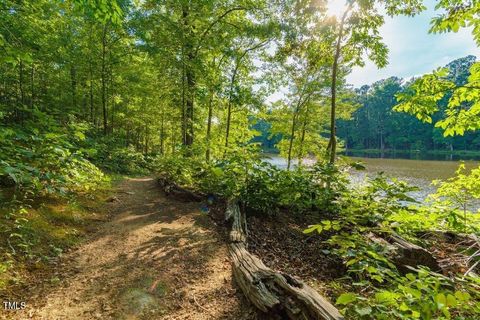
pixel 40 160
pixel 261 186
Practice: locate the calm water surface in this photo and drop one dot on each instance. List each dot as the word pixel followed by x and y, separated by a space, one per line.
pixel 420 173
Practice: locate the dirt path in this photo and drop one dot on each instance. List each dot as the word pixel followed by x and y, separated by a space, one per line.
pixel 157 258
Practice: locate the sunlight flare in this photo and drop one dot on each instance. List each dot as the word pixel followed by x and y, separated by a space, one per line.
pixel 336 8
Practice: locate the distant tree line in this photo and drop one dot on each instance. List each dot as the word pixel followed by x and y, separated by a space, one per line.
pixel 374 125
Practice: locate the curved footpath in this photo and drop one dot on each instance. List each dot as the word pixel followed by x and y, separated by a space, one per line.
pixel 157 258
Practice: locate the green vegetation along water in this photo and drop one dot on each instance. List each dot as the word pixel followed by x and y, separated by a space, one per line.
pixel 419 173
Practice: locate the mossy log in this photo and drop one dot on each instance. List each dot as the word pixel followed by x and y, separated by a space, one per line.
pixel 277 294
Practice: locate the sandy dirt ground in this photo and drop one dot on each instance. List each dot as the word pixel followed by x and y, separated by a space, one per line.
pixel 156 258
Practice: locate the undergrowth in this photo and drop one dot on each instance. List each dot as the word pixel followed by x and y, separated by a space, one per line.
pixel 372 287
pixel 34 233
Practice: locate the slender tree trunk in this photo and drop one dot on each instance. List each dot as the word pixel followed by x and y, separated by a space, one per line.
pixel 184 118
pixel 162 131
pixel 333 140
pixel 190 106
pixel 92 108
pixel 292 137
pixel 84 100
pixel 301 101
pixel 22 91
pixel 44 90
pixel 113 107
pixel 104 80
pixel 209 125
pixel 32 86
pixel 230 98
pixel 73 81
pixel 189 78
pixel 147 132
pixel 302 138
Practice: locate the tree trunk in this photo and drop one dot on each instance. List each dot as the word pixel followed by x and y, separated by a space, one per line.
pixel 73 83
pixel 32 86
pixel 189 106
pixel 292 137
pixel 302 140
pixel 162 132
pixel 275 293
pixel 22 91
pixel 230 98
pixel 113 106
pixel 184 118
pixel 209 126
pixel 104 80
pixel 189 78
pixel 92 109
pixel 333 130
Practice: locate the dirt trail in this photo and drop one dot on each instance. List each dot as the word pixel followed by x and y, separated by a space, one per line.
pixel 157 258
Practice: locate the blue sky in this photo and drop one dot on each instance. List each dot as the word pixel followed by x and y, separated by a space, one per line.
pixel 413 51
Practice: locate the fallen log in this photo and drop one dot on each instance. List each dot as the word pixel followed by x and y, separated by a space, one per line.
pixel 410 254
pixel 406 253
pixel 172 189
pixel 275 293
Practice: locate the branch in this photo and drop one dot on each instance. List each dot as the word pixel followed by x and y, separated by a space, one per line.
pixel 207 30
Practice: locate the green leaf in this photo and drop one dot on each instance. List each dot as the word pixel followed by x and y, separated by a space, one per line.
pixel 441 300
pixel 346 298
pixel 386 297
pixel 312 228
pixel 364 311
pixel 451 300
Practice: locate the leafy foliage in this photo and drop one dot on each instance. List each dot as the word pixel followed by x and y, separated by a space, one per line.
pixel 379 290
pixel 46 160
pixel 261 186
pixel 375 126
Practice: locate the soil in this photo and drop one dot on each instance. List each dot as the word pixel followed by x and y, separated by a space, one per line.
pixel 283 246
pixel 156 258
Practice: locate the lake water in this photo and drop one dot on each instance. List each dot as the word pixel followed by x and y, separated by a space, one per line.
pixel 419 173
pixel 412 155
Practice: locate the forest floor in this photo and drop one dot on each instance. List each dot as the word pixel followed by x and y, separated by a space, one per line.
pixel 154 258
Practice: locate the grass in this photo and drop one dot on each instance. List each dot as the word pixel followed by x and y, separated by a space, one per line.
pixel 33 235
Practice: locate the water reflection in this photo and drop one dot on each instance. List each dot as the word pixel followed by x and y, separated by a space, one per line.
pixel 414 155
